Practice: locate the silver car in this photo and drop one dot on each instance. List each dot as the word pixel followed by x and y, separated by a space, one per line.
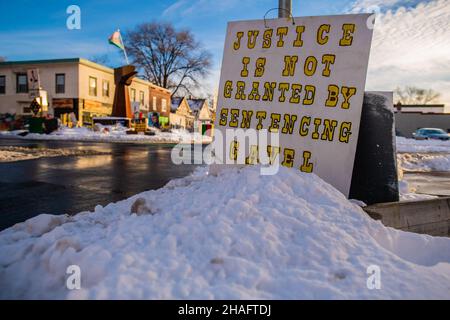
pixel 431 133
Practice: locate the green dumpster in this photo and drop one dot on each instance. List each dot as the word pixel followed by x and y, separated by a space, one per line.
pixel 36 125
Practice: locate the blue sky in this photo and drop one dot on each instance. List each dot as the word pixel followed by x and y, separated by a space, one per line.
pixel 32 29
pixel 37 29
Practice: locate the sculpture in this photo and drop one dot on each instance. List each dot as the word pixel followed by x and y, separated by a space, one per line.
pixel 123 76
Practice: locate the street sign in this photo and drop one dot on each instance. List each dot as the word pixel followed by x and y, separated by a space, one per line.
pixel 303 80
pixel 33 80
pixel 35 106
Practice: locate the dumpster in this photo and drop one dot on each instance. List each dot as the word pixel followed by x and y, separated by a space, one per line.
pixel 36 125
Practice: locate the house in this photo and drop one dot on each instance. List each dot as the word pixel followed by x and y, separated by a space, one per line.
pixel 76 86
pixel 181 115
pixel 201 111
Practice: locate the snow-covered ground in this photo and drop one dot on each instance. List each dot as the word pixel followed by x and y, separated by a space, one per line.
pixel 423 146
pixel 420 156
pixel 424 162
pixel 13 153
pixel 238 235
pixel 114 134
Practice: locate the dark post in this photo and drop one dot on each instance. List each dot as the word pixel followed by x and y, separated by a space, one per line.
pixel 374 177
pixel 284 8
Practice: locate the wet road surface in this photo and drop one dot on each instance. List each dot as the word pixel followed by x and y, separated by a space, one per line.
pixel 77 183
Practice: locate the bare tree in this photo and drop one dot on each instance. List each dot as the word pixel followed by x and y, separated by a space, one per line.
pixel 167 57
pixel 2 59
pixel 414 95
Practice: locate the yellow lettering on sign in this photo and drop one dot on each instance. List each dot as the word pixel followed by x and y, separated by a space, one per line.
pixel 322 34
pixel 347 34
pixel 237 42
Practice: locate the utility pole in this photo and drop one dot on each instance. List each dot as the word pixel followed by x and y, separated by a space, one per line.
pixel 284 8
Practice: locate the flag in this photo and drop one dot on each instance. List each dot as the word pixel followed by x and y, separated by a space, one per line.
pixel 116 40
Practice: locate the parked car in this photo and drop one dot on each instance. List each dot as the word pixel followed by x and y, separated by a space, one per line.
pixel 431 133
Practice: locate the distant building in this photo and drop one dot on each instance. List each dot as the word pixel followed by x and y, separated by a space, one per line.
pixel 410 117
pixel 75 85
pixel 422 108
pixel 408 122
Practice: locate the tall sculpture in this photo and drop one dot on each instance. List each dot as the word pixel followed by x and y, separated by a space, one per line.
pixel 123 76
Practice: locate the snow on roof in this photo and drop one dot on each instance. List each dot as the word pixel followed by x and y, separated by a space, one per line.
pixel 238 235
pixel 175 103
pixel 196 104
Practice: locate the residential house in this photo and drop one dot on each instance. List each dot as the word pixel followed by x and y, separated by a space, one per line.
pixel 201 111
pixel 181 115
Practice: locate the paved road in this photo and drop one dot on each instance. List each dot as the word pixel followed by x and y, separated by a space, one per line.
pixel 73 184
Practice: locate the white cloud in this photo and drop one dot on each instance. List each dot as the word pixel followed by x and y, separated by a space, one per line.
pixel 359 6
pixel 185 8
pixel 173 8
pixel 411 46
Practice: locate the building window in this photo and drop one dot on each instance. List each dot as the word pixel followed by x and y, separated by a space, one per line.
pixel 154 103
pixel 22 83
pixel 92 86
pixel 141 98
pixel 163 105
pixel 60 83
pixel 133 95
pixel 105 88
pixel 2 84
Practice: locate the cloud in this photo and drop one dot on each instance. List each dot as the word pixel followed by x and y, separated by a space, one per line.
pixel 186 8
pixel 411 45
pixel 174 8
pixel 359 6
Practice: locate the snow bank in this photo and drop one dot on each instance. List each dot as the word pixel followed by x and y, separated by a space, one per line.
pixel 412 145
pixel 116 134
pixel 239 235
pixel 408 193
pixel 14 153
pixel 418 162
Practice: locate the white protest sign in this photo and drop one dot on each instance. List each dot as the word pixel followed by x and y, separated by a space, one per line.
pixel 304 81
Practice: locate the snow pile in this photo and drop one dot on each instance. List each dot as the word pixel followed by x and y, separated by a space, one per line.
pixel 412 145
pixel 408 193
pixel 418 162
pixel 239 235
pixel 113 134
pixel 13 153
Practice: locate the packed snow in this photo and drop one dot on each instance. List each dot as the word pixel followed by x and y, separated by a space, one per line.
pixel 111 134
pixel 238 235
pixel 419 162
pixel 409 193
pixel 422 146
pixel 14 153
